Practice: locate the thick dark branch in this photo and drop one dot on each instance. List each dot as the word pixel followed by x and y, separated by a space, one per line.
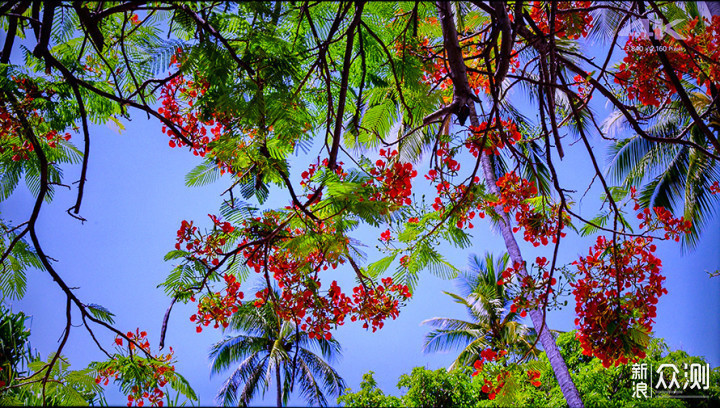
pixel 507 41
pixel 90 23
pixel 497 11
pixel 12 29
pixel 342 96
pixel 462 93
pixel 86 148
pixel 66 334
pixel 35 18
pixel 120 8
pixel 4 8
pixel 44 38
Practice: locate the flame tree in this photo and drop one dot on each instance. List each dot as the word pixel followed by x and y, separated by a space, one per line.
pixel 393 94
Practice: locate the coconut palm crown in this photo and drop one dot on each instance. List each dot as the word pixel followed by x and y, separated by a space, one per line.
pixel 491 323
pixel 267 349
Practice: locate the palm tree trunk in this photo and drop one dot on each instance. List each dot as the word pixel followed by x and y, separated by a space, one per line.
pixel 279 385
pixel 458 74
pixel 562 374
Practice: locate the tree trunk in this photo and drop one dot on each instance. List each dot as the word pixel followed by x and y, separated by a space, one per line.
pixel 458 74
pixel 279 385
pixel 562 374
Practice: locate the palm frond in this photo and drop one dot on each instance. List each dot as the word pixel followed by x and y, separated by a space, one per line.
pixel 249 374
pixel 232 349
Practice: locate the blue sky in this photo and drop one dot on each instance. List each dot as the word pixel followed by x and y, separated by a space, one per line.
pixel 134 202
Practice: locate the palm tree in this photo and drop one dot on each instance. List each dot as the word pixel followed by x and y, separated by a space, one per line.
pixel 270 349
pixel 491 324
pixel 673 176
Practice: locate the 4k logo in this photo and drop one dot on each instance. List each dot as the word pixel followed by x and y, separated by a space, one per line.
pixel 647 28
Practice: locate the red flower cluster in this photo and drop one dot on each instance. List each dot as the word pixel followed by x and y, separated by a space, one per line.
pixel 663 219
pixel 448 193
pixel 394 177
pixel 105 375
pixel 319 313
pixel 307 175
pixel 139 337
pixel 715 188
pixel 314 168
pixel 572 20
pixel 619 287
pixel 375 305
pixel 435 71
pixel 448 160
pixel 11 129
pixel 533 292
pixel 154 397
pixel 534 377
pixel 489 387
pixel 218 306
pixel 184 117
pixel 583 85
pixel 513 193
pixel 226 227
pixel 301 299
pixel 178 96
pixel 508 273
pixel 203 247
pixel 706 41
pixel 487 355
pixel 156 369
pixel 497 136
pixel 643 75
pixel 540 228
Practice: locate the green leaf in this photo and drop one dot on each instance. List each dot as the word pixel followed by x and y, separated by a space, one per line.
pixel 639 337
pixel 101 313
pixel 175 254
pixel 379 267
pixel 600 221
pixel 205 173
pixel 180 384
